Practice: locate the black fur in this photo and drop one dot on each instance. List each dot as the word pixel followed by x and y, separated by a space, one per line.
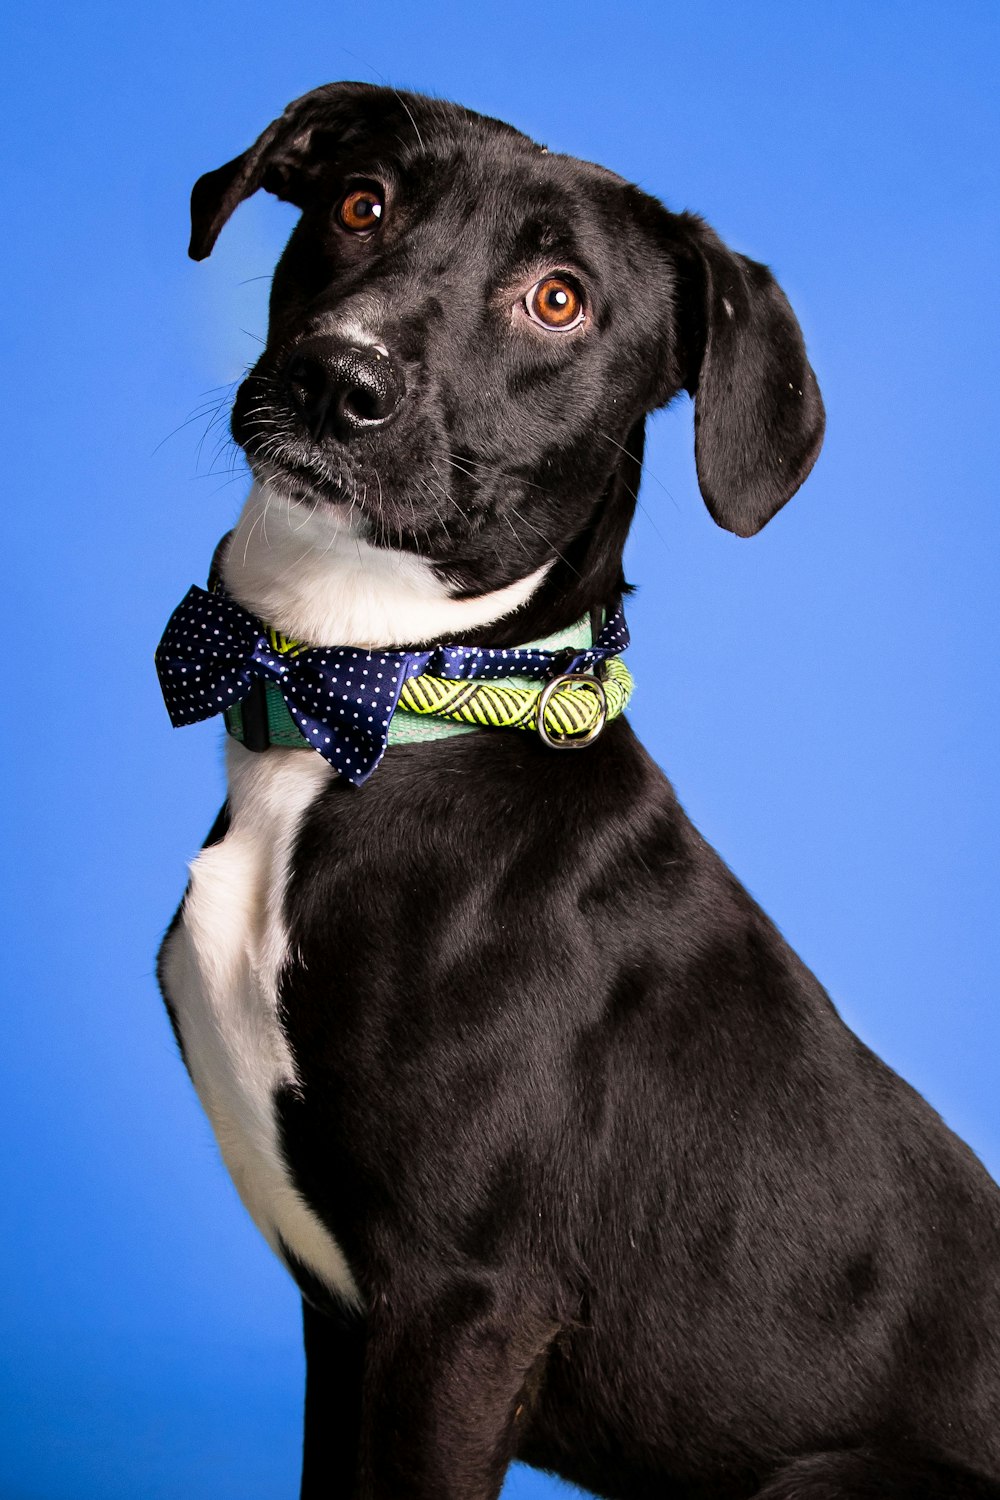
pixel 624 1196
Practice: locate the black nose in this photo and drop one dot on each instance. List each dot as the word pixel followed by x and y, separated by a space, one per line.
pixel 340 388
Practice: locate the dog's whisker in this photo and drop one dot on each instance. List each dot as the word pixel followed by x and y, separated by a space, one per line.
pixel 250 533
pixel 413 518
pixel 445 492
pixel 551 546
pixel 459 461
pixel 518 539
pixel 196 416
pixel 645 468
pixel 229 473
pixel 412 121
pixel 202 441
pixel 434 505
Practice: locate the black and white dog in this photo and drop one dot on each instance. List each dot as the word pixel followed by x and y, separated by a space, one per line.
pixel 572 1159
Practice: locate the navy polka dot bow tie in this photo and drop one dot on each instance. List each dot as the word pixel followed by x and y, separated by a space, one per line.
pixel 340 697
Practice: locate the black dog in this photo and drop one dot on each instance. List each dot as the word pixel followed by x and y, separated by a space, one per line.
pixel 571 1157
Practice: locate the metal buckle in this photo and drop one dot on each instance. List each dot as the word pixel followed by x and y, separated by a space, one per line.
pixel 566 741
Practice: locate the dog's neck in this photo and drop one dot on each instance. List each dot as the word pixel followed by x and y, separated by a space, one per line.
pixel 299 566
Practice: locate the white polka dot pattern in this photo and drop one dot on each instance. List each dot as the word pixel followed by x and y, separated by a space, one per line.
pixel 340 697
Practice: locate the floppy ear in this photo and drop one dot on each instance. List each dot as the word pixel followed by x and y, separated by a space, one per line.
pixel 284 161
pixel 758 413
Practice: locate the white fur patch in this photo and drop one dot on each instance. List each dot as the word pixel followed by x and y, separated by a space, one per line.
pixel 299 566
pixel 220 969
pixel 302 569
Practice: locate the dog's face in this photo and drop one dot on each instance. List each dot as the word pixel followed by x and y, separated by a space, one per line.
pixel 467 332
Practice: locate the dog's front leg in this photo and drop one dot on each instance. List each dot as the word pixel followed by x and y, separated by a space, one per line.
pixel 444 1391
pixel 335 1349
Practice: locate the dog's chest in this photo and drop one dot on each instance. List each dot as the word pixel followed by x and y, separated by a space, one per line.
pixel 220 969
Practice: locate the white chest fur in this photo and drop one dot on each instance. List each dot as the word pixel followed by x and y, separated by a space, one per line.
pixel 220 971
pixel 302 568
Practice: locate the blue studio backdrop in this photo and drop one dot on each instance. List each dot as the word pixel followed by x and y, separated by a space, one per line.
pixel 823 696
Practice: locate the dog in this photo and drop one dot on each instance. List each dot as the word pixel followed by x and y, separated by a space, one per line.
pixel 570 1156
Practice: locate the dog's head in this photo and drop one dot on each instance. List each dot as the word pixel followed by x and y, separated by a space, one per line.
pixel 467 332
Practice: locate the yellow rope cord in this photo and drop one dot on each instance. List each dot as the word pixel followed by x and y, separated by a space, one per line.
pixel 574 708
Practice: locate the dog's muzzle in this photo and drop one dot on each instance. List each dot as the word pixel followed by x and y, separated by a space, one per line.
pixel 341 390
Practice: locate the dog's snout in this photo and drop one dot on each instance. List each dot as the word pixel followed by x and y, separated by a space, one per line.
pixel 342 389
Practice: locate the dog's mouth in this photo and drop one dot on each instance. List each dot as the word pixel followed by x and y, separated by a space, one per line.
pixel 383 489
pixel 357 496
pixel 301 477
pixel 404 478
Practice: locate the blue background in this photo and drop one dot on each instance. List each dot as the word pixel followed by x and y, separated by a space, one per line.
pixel 823 696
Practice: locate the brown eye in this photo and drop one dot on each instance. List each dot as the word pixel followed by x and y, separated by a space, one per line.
pixel 556 302
pixel 361 210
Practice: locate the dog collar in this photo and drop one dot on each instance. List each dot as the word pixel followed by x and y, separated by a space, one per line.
pixel 216 657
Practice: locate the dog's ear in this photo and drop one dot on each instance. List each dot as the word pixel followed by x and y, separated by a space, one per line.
pixel 758 413
pixel 286 160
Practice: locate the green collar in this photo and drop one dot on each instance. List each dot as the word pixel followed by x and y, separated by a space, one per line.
pixel 573 709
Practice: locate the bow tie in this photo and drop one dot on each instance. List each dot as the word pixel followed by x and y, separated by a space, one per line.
pixel 341 698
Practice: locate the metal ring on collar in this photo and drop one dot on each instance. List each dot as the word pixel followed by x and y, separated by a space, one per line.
pixel 568 741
